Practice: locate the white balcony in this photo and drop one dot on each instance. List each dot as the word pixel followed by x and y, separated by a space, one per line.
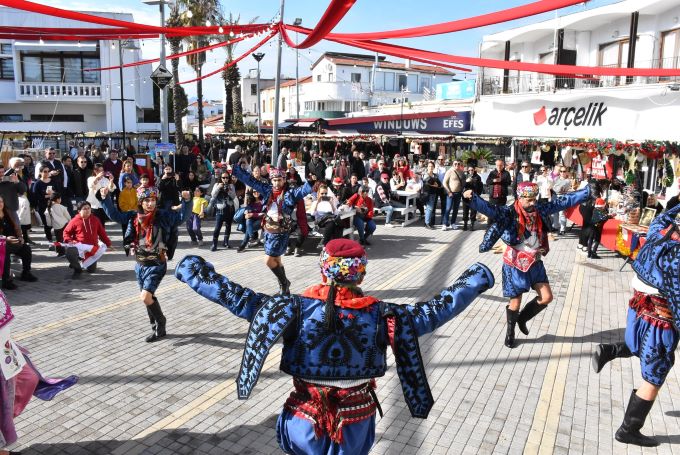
pixel 67 91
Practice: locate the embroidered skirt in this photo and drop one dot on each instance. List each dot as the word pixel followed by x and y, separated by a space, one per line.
pixel 275 244
pixel 516 282
pixel 651 336
pixel 327 420
pixel 149 277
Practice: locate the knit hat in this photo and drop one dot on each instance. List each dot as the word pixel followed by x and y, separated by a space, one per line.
pixel 599 202
pixel 337 181
pixel 275 172
pixel 527 189
pixel 6 315
pixel 146 192
pixel 343 261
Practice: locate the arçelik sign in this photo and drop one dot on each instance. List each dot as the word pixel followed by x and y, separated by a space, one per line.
pixel 571 116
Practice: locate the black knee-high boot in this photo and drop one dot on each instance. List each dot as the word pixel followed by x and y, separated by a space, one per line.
pixel 529 311
pixel 158 324
pixel 607 352
pixel 633 421
pixel 216 238
pixel 511 317
pixel 284 284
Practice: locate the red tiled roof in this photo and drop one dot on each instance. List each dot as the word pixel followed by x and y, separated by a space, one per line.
pixel 215 119
pixel 302 80
pixel 389 65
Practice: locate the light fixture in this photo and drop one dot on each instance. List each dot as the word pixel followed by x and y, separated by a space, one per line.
pixel 231 33
pixel 615 34
pixel 189 14
pixel 113 45
pixel 207 23
pixel 221 30
pixel 41 41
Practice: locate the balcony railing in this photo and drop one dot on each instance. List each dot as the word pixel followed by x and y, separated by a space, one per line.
pixel 527 82
pixel 64 91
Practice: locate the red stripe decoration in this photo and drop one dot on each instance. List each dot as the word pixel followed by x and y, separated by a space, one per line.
pixel 336 10
pixel 233 62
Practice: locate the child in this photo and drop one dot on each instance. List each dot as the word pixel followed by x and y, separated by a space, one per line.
pixel 24 213
pixel 197 214
pixel 127 199
pixel 253 216
pixel 58 217
pixel 592 227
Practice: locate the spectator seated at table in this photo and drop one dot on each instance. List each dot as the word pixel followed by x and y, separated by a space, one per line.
pixel 363 219
pixel 325 211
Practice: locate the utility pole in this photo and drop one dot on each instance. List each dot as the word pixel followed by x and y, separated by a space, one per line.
pixel 122 92
pixel 164 91
pixel 258 56
pixel 298 22
pixel 277 93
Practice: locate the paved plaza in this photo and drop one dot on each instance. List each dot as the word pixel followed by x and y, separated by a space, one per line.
pixel 178 396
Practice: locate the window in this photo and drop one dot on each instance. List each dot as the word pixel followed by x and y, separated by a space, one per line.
pixel 283 104
pixel 330 77
pixel 318 78
pixel 57 118
pixel 264 106
pixel 670 49
pixel 322 105
pixel 6 62
pixel 425 82
pixel 348 106
pixel 60 67
pixel 253 89
pixel 11 118
pixel 614 55
pixel 402 81
pixel 389 82
pixel 356 77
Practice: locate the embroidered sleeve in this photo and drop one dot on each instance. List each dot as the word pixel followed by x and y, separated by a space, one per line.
pixel 427 316
pixel 202 278
pixel 661 222
pixel 563 202
pixel 297 194
pixel 483 207
pixel 262 188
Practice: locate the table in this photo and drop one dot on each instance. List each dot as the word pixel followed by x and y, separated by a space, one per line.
pixel 610 228
pixel 343 215
pixel 409 208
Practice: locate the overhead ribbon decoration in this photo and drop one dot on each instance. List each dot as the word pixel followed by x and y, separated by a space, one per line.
pixel 336 10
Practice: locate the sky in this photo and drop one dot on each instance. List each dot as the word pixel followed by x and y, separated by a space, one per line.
pixel 365 16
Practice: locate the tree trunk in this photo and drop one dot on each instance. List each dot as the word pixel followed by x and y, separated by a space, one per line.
pixel 235 81
pixel 228 104
pixel 179 134
pixel 199 92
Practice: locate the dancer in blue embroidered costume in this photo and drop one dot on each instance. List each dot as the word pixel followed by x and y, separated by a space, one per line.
pixel 652 324
pixel 151 234
pixel 334 344
pixel 279 203
pixel 523 228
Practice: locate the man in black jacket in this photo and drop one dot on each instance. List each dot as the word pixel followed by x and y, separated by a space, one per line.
pixel 357 164
pixel 57 172
pixel 472 182
pixel 498 181
pixel 317 167
pixel 81 173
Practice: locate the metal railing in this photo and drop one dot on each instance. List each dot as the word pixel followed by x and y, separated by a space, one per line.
pixel 528 82
pixel 57 89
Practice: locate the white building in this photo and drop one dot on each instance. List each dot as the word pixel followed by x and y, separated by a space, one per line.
pixel 44 85
pixel 539 105
pixel 249 94
pixel 342 83
pixel 210 109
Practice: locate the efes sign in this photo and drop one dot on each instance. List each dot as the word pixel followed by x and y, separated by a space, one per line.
pixel 571 116
pixel 432 123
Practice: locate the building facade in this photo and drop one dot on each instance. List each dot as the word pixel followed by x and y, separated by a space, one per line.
pixel 523 104
pixel 210 110
pixel 45 85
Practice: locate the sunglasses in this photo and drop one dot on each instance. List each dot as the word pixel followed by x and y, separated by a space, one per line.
pixel 526 167
pixel 322 194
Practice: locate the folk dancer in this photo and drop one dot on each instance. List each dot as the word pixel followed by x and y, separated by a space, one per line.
pixel 523 227
pixel 335 345
pixel 652 324
pixel 151 234
pixel 279 203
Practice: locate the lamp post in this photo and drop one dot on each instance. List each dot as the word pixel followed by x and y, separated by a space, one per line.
pixel 127 44
pixel 258 56
pixel 297 22
pixel 164 93
pixel 277 93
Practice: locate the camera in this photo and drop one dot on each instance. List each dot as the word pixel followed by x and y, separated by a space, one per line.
pixel 325 198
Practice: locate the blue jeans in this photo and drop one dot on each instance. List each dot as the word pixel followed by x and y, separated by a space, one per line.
pixel 452 202
pixel 223 217
pixel 364 227
pixel 429 209
pixel 388 210
pixel 252 226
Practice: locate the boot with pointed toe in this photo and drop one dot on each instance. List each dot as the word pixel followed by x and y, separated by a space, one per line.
pixel 605 353
pixel 529 311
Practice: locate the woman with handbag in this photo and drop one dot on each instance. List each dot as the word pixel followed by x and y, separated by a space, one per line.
pixel 226 203
pixel 431 188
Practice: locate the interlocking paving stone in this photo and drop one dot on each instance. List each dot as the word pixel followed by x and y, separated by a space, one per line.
pixel 486 395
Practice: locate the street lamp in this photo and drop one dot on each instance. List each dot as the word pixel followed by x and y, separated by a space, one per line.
pixel 164 93
pixel 297 23
pixel 258 56
pixel 127 44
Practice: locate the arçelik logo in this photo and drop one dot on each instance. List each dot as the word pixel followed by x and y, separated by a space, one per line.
pixel 572 116
pixel 540 117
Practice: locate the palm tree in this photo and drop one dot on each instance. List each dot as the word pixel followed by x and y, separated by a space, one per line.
pixel 233 109
pixel 176 19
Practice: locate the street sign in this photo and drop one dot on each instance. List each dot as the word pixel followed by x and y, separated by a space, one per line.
pixel 161 77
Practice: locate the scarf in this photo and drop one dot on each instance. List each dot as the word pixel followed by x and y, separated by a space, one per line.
pixel 531 222
pixel 345 297
pixel 144 226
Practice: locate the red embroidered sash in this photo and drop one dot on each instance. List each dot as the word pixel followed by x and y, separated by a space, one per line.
pixel 521 260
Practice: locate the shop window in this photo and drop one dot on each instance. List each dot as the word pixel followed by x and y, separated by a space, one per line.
pixel 11 118
pixel 356 77
pixel 6 62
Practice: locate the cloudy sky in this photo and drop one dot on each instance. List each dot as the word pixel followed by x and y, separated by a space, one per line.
pixel 365 16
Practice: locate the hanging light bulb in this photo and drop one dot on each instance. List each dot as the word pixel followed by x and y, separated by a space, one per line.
pixel 113 45
pixel 231 33
pixel 189 14
pixel 221 30
pixel 207 23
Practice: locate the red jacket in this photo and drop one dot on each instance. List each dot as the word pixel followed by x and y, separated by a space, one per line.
pixel 88 231
pixel 365 202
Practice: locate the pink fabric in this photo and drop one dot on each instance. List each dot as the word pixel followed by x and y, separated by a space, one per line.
pixel 26 383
